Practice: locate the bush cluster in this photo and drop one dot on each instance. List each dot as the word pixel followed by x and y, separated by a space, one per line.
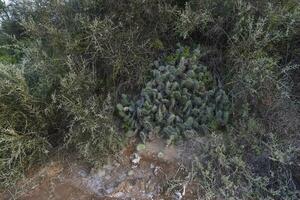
pixel 180 98
pixel 23 126
pixel 91 130
pixel 77 53
pixel 117 40
pixel 225 171
pixel 75 57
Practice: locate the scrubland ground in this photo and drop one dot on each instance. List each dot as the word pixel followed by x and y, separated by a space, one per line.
pixel 208 88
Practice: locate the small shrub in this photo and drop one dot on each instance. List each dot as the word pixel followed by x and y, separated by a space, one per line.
pixel 248 164
pixel 180 98
pixel 189 21
pixel 23 126
pixel 90 117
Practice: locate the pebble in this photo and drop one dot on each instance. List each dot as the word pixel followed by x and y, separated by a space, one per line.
pixel 160 155
pixel 83 173
pixel 101 173
pixel 136 159
pixel 118 195
pixel 130 173
pixel 156 171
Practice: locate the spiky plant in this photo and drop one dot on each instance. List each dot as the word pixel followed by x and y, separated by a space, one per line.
pixel 180 98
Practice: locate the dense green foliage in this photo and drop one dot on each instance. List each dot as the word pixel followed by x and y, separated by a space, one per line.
pixel 238 90
pixel 256 54
pixel 23 125
pixel 91 128
pixel 115 40
pixel 181 98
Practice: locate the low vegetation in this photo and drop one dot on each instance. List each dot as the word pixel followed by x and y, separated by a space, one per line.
pixel 181 98
pixel 87 74
pixel 23 125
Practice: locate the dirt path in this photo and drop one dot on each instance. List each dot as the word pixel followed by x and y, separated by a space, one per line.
pixel 134 174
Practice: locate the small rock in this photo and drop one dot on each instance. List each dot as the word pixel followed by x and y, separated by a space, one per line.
pixel 130 173
pixel 118 195
pixel 156 171
pixel 136 159
pixel 178 196
pixel 160 155
pixel 101 191
pixel 83 173
pixel 101 172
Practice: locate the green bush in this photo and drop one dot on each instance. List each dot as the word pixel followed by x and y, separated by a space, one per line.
pixel 23 126
pixel 180 98
pixel 257 59
pixel 257 41
pixel 79 55
pixel 116 42
pixel 241 166
pixel 90 117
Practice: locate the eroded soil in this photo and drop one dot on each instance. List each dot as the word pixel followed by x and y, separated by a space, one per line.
pixel 133 174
